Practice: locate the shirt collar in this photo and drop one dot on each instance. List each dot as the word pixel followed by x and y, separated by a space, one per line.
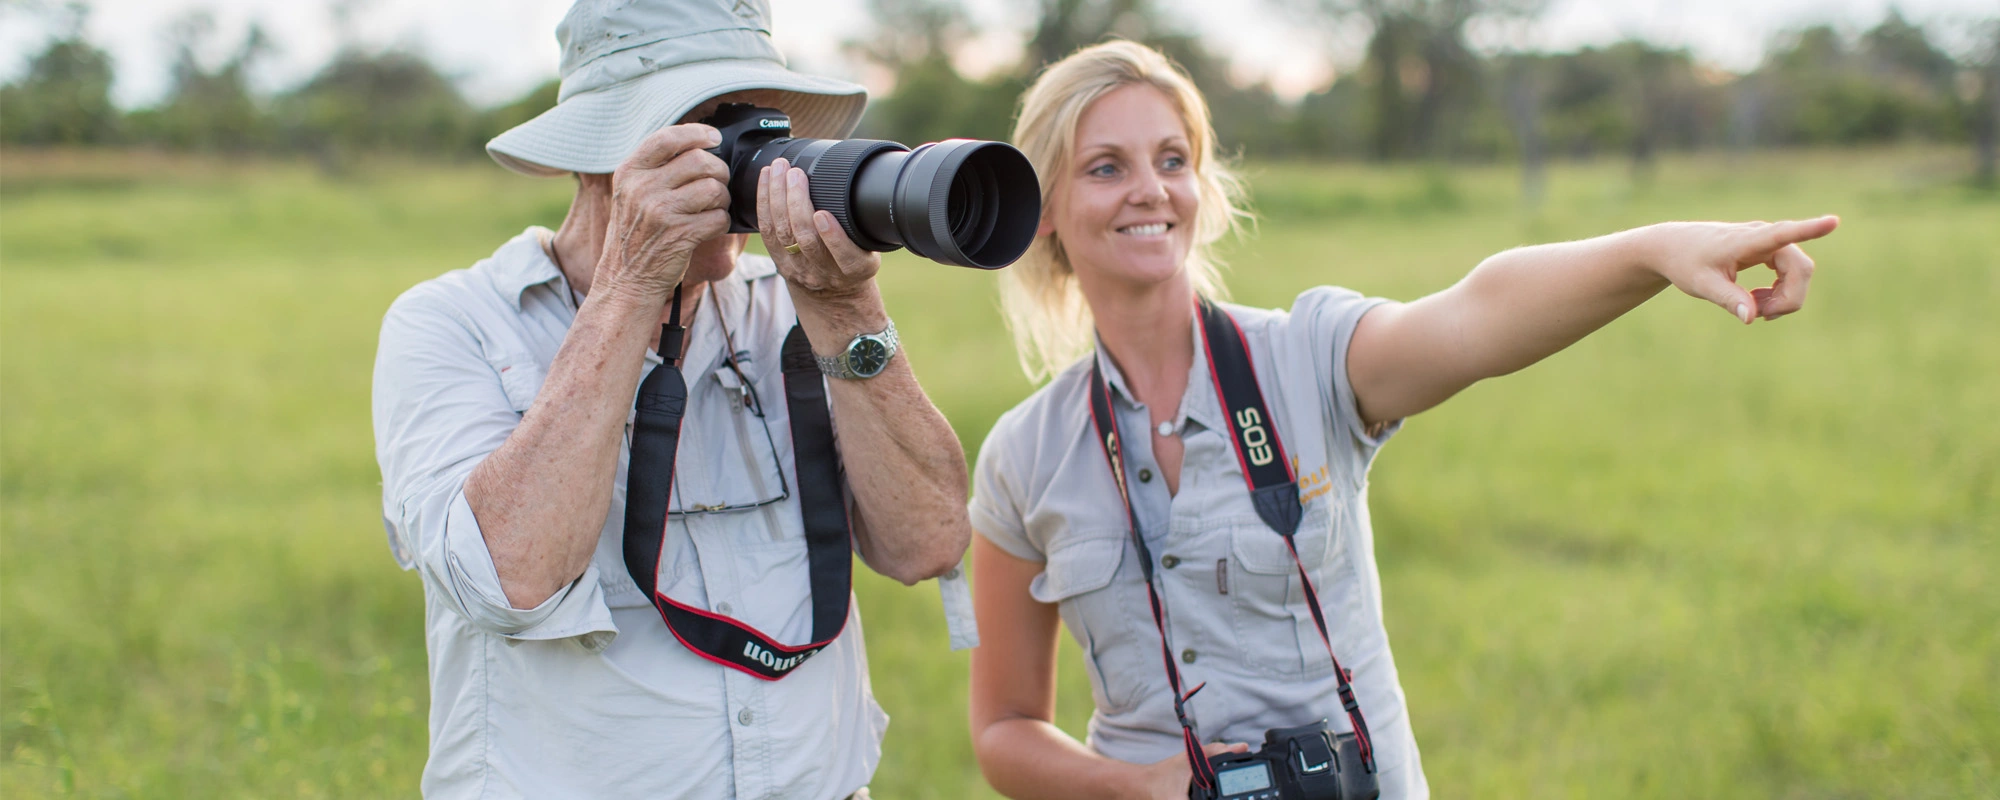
pixel 521 264
pixel 1198 402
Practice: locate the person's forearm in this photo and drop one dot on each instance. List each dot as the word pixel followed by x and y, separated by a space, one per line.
pixel 1514 309
pixel 1029 759
pixel 540 498
pixel 1523 305
pixel 903 461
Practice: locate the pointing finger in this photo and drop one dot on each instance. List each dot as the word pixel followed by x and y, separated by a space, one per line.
pixel 1779 234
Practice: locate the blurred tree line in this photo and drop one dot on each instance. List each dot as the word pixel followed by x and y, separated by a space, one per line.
pixel 1421 89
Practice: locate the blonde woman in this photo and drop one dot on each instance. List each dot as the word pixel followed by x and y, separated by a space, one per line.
pixel 1187 494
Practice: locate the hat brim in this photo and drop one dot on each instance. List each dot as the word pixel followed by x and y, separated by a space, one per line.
pixel 595 131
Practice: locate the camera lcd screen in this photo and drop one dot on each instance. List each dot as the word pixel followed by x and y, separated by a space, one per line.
pixel 1247 778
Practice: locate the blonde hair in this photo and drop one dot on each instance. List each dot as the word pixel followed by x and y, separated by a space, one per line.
pixel 1039 298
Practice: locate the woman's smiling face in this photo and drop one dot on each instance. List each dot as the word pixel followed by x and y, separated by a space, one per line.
pixel 1125 210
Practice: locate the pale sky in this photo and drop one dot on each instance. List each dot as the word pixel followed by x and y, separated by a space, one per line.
pixel 498 49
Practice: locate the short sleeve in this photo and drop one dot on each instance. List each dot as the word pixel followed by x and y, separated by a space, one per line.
pixel 997 495
pixel 1326 317
pixel 439 409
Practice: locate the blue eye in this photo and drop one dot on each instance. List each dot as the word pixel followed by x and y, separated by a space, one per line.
pixel 1104 170
pixel 1174 163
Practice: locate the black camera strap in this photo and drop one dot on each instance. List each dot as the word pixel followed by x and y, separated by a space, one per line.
pixel 1107 435
pixel 656 430
pixel 1274 491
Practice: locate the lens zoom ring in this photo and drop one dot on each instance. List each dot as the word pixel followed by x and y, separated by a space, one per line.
pixel 832 184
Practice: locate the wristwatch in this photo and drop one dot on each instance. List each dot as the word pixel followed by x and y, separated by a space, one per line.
pixel 865 357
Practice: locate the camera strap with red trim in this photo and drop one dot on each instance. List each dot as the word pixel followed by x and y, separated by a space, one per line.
pixel 1274 491
pixel 656 427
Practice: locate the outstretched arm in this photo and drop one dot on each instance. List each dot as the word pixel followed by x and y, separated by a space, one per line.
pixel 1525 304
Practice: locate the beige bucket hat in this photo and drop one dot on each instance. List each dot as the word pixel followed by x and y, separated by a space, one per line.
pixel 631 67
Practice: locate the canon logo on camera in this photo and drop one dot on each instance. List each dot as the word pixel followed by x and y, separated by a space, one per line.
pixel 774 123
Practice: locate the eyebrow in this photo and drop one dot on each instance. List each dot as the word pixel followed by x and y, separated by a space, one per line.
pixel 1097 148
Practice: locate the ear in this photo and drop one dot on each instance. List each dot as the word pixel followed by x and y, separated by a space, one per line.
pixel 1047 225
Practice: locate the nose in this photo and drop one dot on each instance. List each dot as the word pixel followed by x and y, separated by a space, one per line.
pixel 1148 190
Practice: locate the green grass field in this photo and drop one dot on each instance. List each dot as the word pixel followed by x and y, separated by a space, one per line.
pixel 1684 559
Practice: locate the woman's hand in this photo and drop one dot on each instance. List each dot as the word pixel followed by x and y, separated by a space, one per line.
pixel 820 260
pixel 1168 780
pixel 1703 258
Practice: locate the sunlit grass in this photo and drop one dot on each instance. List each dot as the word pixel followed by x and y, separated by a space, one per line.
pixel 1682 559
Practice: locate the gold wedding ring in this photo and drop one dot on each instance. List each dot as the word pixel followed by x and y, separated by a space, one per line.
pixel 792 248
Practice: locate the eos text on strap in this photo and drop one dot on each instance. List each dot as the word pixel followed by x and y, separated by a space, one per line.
pixel 662 402
pixel 1309 762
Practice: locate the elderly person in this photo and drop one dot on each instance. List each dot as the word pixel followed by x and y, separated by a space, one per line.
pixel 652 598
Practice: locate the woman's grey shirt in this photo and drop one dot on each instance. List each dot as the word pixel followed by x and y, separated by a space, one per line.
pixel 1236 613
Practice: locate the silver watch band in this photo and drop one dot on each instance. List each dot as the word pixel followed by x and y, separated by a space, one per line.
pixel 864 357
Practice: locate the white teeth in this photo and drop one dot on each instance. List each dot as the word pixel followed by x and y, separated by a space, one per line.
pixel 1154 229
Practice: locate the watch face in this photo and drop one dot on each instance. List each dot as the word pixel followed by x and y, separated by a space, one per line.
pixel 867 356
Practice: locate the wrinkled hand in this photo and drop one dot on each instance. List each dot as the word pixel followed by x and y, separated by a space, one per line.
pixel 668 197
pixel 827 263
pixel 1703 259
pixel 1168 779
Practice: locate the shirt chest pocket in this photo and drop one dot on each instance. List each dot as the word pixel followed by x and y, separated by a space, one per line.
pixel 1274 626
pixel 1101 609
pixel 521 379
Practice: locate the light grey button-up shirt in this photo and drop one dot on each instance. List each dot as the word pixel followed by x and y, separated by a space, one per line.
pixel 588 695
pixel 1236 612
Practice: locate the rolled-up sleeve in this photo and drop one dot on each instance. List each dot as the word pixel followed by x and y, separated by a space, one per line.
pixel 995 507
pixel 440 408
pixel 1324 318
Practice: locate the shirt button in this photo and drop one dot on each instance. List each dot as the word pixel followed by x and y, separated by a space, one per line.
pixel 722 608
pixel 1145 476
pixel 1170 561
pixel 1166 429
pixel 745 716
pixel 1187 656
pixel 951 575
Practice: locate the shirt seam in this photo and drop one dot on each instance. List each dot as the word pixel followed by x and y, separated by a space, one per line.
pixel 485 716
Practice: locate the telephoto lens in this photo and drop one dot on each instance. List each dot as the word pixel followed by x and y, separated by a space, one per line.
pixel 962 202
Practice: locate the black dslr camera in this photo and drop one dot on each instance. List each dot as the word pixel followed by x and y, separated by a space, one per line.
pixel 1308 762
pixel 961 202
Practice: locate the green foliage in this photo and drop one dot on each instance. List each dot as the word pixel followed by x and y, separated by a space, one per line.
pixel 386 101
pixel 208 109
pixel 1683 558
pixel 1893 85
pixel 1420 90
pixel 527 107
pixel 65 97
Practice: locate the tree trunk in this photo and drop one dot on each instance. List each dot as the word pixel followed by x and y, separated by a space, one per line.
pixel 1986 126
pixel 1446 69
pixel 1524 101
pixel 1386 51
pixel 1746 113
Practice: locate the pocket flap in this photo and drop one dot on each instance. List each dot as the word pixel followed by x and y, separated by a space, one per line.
pixel 1261 550
pixel 521 378
pixel 1078 567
